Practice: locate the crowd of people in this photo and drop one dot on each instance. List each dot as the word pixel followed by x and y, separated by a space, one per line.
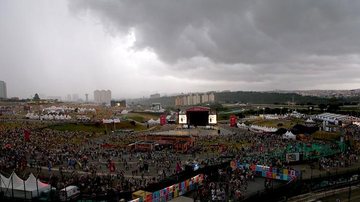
pixel 227 184
pixel 343 160
pixel 102 163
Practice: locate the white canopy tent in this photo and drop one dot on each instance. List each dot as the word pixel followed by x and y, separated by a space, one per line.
pixel 242 125
pixel 289 135
pixel 15 187
pixel 263 128
pixel 153 122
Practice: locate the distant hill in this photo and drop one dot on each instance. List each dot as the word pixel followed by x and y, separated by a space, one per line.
pixel 266 98
pixel 165 101
pixel 254 98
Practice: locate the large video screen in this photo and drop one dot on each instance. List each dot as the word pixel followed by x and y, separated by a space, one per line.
pixel 182 119
pixel 212 119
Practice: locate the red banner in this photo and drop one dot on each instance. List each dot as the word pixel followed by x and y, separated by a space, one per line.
pixel 162 120
pixel 112 166
pixel 233 121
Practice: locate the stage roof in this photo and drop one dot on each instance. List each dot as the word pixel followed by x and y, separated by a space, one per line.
pixel 198 109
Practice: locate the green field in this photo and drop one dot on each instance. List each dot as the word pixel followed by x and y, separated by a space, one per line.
pixel 281 123
pixel 142 117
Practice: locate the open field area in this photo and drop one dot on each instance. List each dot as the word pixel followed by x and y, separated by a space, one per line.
pixel 141 117
pixel 281 123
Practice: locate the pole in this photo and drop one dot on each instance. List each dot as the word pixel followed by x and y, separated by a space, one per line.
pixel 12 184
pixel 37 187
pixel 1 182
pixel 349 196
pixel 24 188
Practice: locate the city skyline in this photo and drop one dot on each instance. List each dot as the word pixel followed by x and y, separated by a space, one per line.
pixel 74 47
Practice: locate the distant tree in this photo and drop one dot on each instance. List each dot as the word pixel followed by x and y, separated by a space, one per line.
pixel 322 106
pixel 334 107
pixel 36 97
pixel 217 107
pixel 240 115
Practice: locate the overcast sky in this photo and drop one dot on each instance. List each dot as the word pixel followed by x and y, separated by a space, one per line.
pixel 136 48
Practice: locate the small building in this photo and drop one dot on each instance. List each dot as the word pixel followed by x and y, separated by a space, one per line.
pixel 118 103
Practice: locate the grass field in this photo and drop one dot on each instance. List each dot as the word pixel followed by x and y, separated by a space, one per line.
pixel 323 135
pixel 142 117
pixel 281 123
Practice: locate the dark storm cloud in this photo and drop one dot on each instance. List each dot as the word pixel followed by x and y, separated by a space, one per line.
pixel 254 44
pixel 76 46
pixel 267 31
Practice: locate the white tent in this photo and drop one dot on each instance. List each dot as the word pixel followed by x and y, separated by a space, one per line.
pixel 124 111
pixel 153 122
pixel 28 115
pixel 4 181
pixel 263 128
pixel 289 135
pixel 18 188
pixel 242 125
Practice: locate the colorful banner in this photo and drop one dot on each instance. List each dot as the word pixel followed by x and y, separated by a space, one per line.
pixel 172 191
pixel 268 172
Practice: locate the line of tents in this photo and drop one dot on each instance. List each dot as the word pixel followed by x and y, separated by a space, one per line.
pixel 287 135
pixel 63 109
pixel 15 187
pixel 47 117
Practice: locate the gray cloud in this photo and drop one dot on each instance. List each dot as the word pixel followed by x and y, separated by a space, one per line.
pixel 77 46
pixel 235 31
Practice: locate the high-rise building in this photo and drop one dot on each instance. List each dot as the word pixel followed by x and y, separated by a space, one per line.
pixel 102 97
pixel 194 99
pixel 179 101
pixel 68 98
pixel 75 97
pixel 3 91
pixel 211 97
pixel 86 97
pixel 156 95
pixel 204 98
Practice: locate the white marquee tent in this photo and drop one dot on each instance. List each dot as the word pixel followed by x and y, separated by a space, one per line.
pixel 263 128
pixel 289 135
pixel 153 122
pixel 15 187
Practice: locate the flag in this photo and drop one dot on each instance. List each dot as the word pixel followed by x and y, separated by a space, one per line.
pixel 27 135
pixel 178 167
pixel 112 166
